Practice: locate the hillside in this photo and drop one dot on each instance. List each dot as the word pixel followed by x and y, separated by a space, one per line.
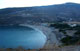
pixel 39 14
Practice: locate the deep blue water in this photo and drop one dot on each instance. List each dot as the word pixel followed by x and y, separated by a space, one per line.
pixel 16 36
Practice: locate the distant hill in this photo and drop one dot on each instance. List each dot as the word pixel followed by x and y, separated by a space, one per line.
pixel 51 13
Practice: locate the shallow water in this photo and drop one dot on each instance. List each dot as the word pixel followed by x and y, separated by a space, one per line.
pixel 19 36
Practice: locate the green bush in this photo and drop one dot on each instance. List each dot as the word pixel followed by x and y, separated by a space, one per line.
pixel 63 31
pixel 60 25
pixel 77 33
pixel 68 40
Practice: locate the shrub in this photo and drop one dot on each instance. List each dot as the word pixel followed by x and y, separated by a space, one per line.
pixel 60 25
pixel 68 40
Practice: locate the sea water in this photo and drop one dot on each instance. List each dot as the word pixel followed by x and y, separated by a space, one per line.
pixel 20 36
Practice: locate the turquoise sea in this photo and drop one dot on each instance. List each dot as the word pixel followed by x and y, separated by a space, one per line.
pixel 20 36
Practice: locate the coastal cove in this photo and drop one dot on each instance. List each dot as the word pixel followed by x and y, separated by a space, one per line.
pixel 21 36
